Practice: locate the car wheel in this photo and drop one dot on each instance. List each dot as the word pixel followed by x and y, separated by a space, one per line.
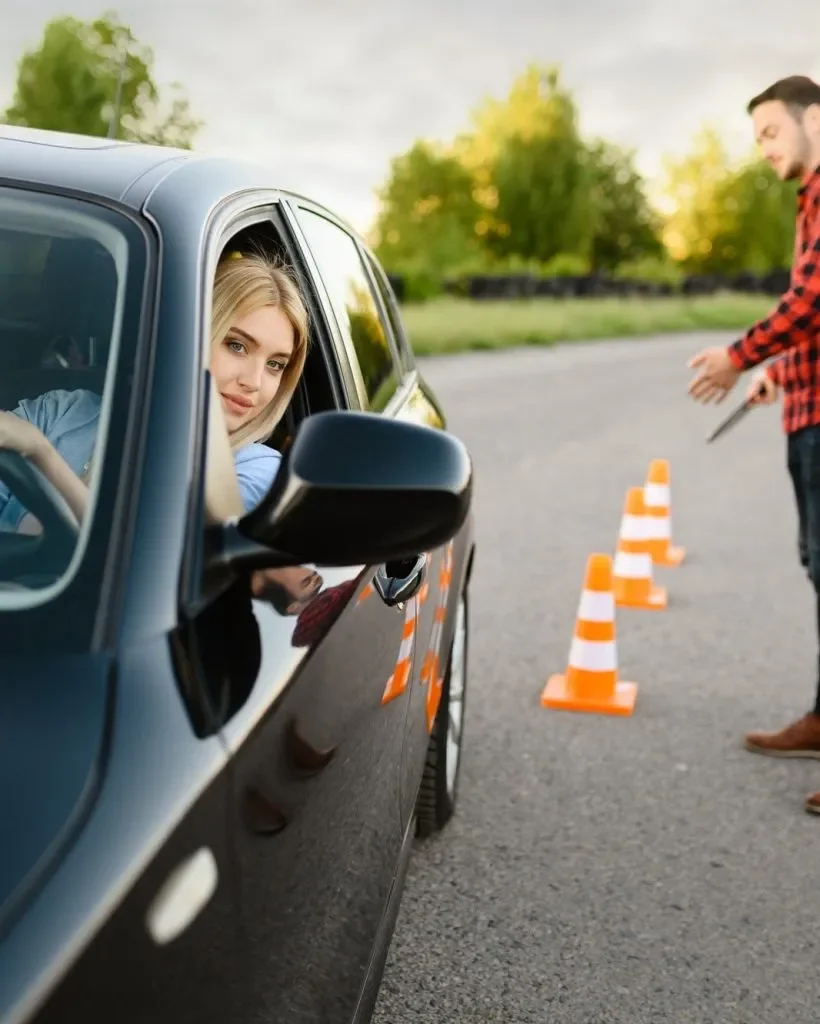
pixel 439 785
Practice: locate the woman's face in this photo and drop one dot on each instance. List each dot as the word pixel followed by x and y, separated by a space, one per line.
pixel 247 365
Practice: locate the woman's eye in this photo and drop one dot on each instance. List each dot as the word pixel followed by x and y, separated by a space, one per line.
pixel 235 346
pixel 277 365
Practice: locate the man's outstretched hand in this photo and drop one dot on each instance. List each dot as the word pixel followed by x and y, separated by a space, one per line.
pixel 716 375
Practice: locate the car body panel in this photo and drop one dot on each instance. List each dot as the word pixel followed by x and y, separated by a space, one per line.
pixel 54 762
pixel 163 797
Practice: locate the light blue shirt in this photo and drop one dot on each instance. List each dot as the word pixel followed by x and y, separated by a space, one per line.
pixel 69 420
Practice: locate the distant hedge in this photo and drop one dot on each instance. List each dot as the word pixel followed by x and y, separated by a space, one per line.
pixel 528 286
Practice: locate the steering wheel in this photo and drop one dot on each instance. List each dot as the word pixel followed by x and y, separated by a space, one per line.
pixel 55 545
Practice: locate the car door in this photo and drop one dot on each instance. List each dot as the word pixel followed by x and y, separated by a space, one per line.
pixel 314 738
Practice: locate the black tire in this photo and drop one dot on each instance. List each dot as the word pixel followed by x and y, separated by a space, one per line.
pixel 438 792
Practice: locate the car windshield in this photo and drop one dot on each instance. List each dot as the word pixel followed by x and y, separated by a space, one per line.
pixel 67 270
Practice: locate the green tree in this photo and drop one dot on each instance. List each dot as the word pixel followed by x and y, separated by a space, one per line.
pixel 71 83
pixel 627 229
pixel 530 165
pixel 428 214
pixel 759 234
pixel 728 217
pixel 693 185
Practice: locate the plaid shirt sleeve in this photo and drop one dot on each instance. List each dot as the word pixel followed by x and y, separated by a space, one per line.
pixel 775 371
pixel 795 320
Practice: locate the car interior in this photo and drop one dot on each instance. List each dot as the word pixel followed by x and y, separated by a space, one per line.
pixel 56 319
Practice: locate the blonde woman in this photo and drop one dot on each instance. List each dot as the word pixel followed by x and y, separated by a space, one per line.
pixel 258 348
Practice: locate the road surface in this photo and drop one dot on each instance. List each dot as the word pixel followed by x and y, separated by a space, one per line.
pixel 601 870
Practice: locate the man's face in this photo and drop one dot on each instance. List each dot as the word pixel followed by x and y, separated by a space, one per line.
pixel 299 583
pixel 782 139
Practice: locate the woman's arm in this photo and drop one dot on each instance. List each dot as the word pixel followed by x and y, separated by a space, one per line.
pixel 54 467
pixel 24 437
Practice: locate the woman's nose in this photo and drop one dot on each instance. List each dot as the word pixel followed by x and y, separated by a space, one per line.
pixel 250 376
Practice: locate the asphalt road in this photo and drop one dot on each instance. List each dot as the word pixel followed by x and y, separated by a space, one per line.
pixel 604 870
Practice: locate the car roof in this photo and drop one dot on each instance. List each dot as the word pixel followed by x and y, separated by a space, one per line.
pixel 137 175
pixel 101 167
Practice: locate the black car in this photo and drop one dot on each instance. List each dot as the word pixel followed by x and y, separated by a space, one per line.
pixel 220 733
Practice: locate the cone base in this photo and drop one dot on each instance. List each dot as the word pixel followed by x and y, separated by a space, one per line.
pixel 672 558
pixel 658 600
pixel 557 696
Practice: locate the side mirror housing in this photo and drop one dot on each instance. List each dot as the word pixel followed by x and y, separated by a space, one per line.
pixel 356 489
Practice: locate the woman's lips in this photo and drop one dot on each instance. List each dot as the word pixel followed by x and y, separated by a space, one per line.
pixel 236 404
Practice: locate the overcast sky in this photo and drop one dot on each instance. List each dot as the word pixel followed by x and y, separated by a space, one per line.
pixel 325 92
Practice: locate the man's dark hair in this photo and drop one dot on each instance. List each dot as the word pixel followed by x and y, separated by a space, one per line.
pixel 279 596
pixel 797 92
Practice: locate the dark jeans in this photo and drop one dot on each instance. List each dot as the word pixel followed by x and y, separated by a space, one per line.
pixel 804 468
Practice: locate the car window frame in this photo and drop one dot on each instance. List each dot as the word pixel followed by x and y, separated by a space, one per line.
pixel 321 325
pixel 98 630
pixel 233 214
pixel 346 353
pixel 362 398
pixel 389 306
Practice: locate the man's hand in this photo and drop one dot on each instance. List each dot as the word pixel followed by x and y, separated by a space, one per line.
pixel 717 375
pixel 762 390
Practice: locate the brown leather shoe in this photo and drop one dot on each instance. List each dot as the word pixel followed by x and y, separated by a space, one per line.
pixel 812 804
pixel 800 739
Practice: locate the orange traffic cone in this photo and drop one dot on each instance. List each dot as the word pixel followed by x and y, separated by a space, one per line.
pixel 397 683
pixel 632 573
pixel 657 499
pixel 590 682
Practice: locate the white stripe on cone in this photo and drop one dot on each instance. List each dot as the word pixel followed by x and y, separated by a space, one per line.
pixel 656 495
pixel 633 527
pixel 597 606
pixel 632 566
pixel 660 528
pixel 593 655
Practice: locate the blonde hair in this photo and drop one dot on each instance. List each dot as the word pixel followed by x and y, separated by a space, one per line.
pixel 244 283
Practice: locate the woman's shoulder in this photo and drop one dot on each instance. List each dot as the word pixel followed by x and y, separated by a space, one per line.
pixel 59 411
pixel 256 452
pixel 60 405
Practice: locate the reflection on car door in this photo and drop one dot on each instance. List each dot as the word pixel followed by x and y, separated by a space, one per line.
pixel 316 750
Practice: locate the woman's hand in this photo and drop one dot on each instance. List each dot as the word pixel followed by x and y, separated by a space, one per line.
pixel 18 435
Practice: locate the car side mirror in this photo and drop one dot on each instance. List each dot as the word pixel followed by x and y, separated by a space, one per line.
pixel 355 489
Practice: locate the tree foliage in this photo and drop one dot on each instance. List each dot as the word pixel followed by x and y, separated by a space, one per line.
pixel 627 229
pixel 428 206
pixel 520 186
pixel 86 77
pixel 727 216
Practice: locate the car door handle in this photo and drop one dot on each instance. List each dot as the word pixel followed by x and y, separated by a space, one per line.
pixel 397 582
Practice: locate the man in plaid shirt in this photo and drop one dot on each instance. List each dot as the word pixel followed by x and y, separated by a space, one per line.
pixel 786 120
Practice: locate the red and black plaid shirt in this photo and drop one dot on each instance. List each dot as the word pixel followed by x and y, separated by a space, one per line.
pixel 793 328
